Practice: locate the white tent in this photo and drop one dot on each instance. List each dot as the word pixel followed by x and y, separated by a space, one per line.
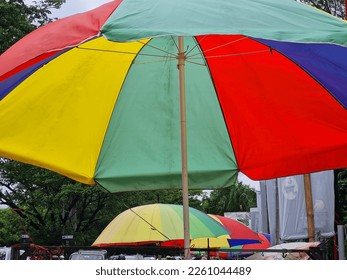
pixel 282 210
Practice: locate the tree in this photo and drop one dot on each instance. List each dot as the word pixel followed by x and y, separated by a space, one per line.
pixel 40 10
pixel 341 196
pixel 48 204
pixel 235 198
pixel 17 19
pixel 10 228
pixel 14 23
pixel 334 7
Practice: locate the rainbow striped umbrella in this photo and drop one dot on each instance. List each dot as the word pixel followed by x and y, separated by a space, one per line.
pixel 239 235
pixel 157 223
pixel 224 253
pixel 167 94
pixel 265 93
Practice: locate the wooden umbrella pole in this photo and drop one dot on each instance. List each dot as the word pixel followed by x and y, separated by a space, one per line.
pixel 277 239
pixel 309 208
pixel 181 63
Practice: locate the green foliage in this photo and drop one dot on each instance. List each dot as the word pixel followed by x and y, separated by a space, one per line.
pixel 18 19
pixel 238 198
pixel 341 196
pixel 49 205
pixel 334 7
pixel 14 23
pixel 40 11
pixel 10 229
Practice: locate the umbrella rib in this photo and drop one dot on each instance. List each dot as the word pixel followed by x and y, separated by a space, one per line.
pixel 123 52
pixel 154 61
pixel 220 46
pixel 190 59
pixel 153 227
pixel 231 54
pixel 174 41
pixel 196 63
pixel 159 49
pixel 196 45
pixel 172 56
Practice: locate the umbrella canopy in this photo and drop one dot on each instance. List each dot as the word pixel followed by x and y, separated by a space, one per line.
pixel 240 234
pixel 157 223
pixel 238 230
pixel 263 243
pixel 95 96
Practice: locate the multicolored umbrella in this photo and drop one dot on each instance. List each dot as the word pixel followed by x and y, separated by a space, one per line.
pixel 260 88
pixel 265 93
pixel 238 230
pixel 157 223
pixel 265 242
pixel 240 235
pixel 244 249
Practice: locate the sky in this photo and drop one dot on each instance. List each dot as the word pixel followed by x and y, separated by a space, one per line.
pixel 74 6
pixel 247 181
pixel 78 6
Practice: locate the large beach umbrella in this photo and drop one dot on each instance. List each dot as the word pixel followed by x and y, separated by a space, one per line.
pixel 153 94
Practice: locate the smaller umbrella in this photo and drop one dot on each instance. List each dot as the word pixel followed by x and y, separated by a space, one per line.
pixel 263 244
pixel 240 234
pixel 157 223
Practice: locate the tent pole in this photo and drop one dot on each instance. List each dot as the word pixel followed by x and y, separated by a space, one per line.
pixel 181 63
pixel 309 208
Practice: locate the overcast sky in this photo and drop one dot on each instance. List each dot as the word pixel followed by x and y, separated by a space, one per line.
pixel 77 6
pixel 244 179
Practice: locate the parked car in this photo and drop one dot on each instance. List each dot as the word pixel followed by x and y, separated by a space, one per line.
pixel 89 255
pixel 126 257
pixel 5 253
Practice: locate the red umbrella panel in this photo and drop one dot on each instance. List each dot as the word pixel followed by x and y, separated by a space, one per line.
pixel 265 242
pixel 235 254
pixel 240 234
